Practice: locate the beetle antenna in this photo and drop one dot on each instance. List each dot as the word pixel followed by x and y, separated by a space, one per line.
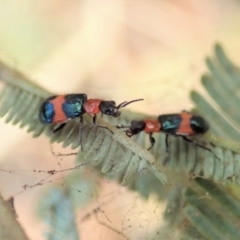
pixel 121 104
pixel 125 103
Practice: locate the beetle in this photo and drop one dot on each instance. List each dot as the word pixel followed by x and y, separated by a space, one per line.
pixel 179 124
pixel 59 109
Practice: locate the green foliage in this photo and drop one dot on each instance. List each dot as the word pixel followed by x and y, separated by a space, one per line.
pixel 197 209
pixel 215 215
pixel 58 212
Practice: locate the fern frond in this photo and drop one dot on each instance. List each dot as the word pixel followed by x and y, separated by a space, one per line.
pixel 193 159
pixel 215 215
pixel 204 210
pixel 20 100
pixel 222 84
pixel 115 153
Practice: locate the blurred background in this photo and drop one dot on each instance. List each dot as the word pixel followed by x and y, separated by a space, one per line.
pixel 118 50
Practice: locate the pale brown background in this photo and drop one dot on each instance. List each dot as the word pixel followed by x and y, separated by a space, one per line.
pixel 117 50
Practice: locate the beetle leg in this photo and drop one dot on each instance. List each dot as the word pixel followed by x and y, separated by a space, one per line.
pixel 166 142
pixel 152 140
pixel 199 145
pixel 95 124
pixel 61 126
pixel 80 131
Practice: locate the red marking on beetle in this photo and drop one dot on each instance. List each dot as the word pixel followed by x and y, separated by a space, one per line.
pixel 59 116
pixel 91 106
pixel 184 127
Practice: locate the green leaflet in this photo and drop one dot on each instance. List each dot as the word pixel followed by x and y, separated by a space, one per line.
pixel 214 215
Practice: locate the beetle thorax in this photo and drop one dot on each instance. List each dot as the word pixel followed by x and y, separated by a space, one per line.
pixel 91 106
